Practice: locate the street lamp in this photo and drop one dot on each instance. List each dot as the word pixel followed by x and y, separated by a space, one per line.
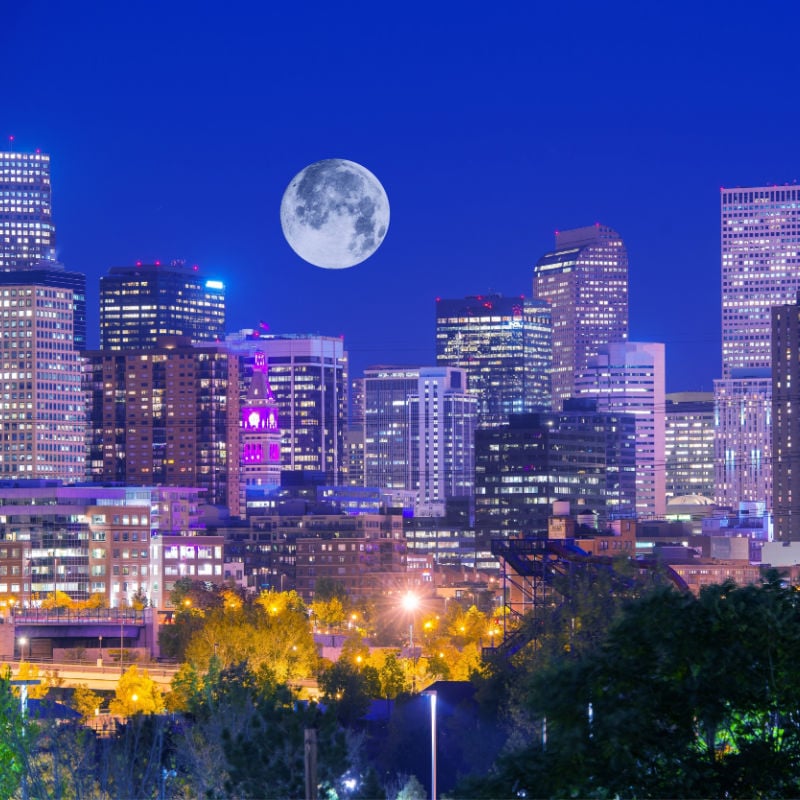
pixel 22 642
pixel 434 697
pixel 410 603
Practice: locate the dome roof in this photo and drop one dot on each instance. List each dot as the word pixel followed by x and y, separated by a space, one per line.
pixel 690 500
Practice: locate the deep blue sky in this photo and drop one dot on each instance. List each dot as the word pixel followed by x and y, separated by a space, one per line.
pixel 174 128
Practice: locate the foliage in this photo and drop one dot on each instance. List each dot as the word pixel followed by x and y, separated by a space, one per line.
pixel 58 599
pixel 136 693
pixel 348 689
pixel 682 696
pixel 412 790
pixel 329 613
pixel 326 589
pixel 85 701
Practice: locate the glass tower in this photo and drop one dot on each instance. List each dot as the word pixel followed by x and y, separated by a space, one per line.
pixel 504 345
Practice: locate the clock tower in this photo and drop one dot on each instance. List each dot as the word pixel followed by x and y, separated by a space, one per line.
pixel 260 470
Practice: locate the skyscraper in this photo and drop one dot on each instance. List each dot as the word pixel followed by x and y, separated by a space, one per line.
pixel 167 415
pixel 442 417
pixel 42 420
pixel 759 232
pixel 628 377
pixel 585 281
pixel 27 232
pixel 387 427
pixel 786 422
pixel 504 345
pixel 689 444
pixel 140 304
pixel 760 238
pixel 308 375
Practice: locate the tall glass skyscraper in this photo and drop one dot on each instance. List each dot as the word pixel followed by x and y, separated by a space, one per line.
pixel 27 232
pixel 139 304
pixel 585 281
pixel 504 345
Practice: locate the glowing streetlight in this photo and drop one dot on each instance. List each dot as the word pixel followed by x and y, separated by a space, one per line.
pixel 410 603
pixel 22 642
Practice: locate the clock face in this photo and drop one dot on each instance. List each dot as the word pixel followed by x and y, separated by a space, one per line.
pixel 259 419
pixel 254 419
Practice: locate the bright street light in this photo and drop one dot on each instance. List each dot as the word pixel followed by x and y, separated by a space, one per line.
pixel 22 642
pixel 434 697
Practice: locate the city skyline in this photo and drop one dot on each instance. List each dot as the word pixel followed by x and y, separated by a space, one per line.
pixel 501 128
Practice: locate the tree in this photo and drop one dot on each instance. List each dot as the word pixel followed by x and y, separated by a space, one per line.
pixel 329 613
pixel 57 599
pixel 136 693
pixel 86 701
pixel 682 696
pixel 349 689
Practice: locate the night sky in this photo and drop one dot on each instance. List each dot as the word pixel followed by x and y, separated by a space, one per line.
pixel 174 128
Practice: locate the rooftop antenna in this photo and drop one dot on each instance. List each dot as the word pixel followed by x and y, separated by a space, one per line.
pixel 10 143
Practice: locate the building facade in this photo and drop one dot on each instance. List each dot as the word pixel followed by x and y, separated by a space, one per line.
pixel 504 344
pixel 581 455
pixel 629 378
pixel 760 228
pixel 260 445
pixel 27 231
pixel 142 303
pixel 308 375
pixel 585 282
pixel 42 416
pixel 442 423
pixel 689 444
pixel 786 422
pixel 743 438
pixel 167 415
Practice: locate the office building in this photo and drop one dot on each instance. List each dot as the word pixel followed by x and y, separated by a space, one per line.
pixel 504 345
pixel 628 377
pixel 42 418
pixel 308 375
pixel 786 422
pixel 759 232
pixel 166 415
pixel 743 438
pixel 585 282
pixel 760 238
pixel 142 303
pixel 27 231
pixel 689 444
pixel 580 454
pixel 354 441
pixel 387 424
pixel 87 540
pixel 442 420
pixel 260 445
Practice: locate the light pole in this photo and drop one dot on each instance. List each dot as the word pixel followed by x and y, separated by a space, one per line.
pixel 410 603
pixel 22 642
pixel 434 697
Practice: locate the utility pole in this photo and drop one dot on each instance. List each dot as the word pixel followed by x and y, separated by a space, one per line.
pixel 311 763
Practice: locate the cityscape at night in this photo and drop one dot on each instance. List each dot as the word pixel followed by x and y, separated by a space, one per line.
pixel 399 402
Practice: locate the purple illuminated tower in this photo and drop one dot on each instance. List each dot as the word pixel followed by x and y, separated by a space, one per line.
pixel 260 470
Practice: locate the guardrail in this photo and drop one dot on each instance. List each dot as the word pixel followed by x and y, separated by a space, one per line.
pixel 82 615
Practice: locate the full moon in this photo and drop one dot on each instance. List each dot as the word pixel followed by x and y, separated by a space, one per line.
pixel 334 213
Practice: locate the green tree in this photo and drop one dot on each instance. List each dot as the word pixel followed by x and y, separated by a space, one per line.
pixel 85 701
pixel 349 689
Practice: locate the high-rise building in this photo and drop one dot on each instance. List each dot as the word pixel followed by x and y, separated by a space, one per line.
pixel 786 422
pixel 27 232
pixel 760 238
pixel 504 345
pixel 759 232
pixel 167 415
pixel 689 444
pixel 743 438
pixel 442 420
pixel 628 377
pixel 354 441
pixel 585 281
pixel 579 454
pixel 308 375
pixel 42 420
pixel 142 303
pixel 387 426
pixel 260 445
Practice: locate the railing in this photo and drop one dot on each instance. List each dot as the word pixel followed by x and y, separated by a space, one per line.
pixel 80 615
